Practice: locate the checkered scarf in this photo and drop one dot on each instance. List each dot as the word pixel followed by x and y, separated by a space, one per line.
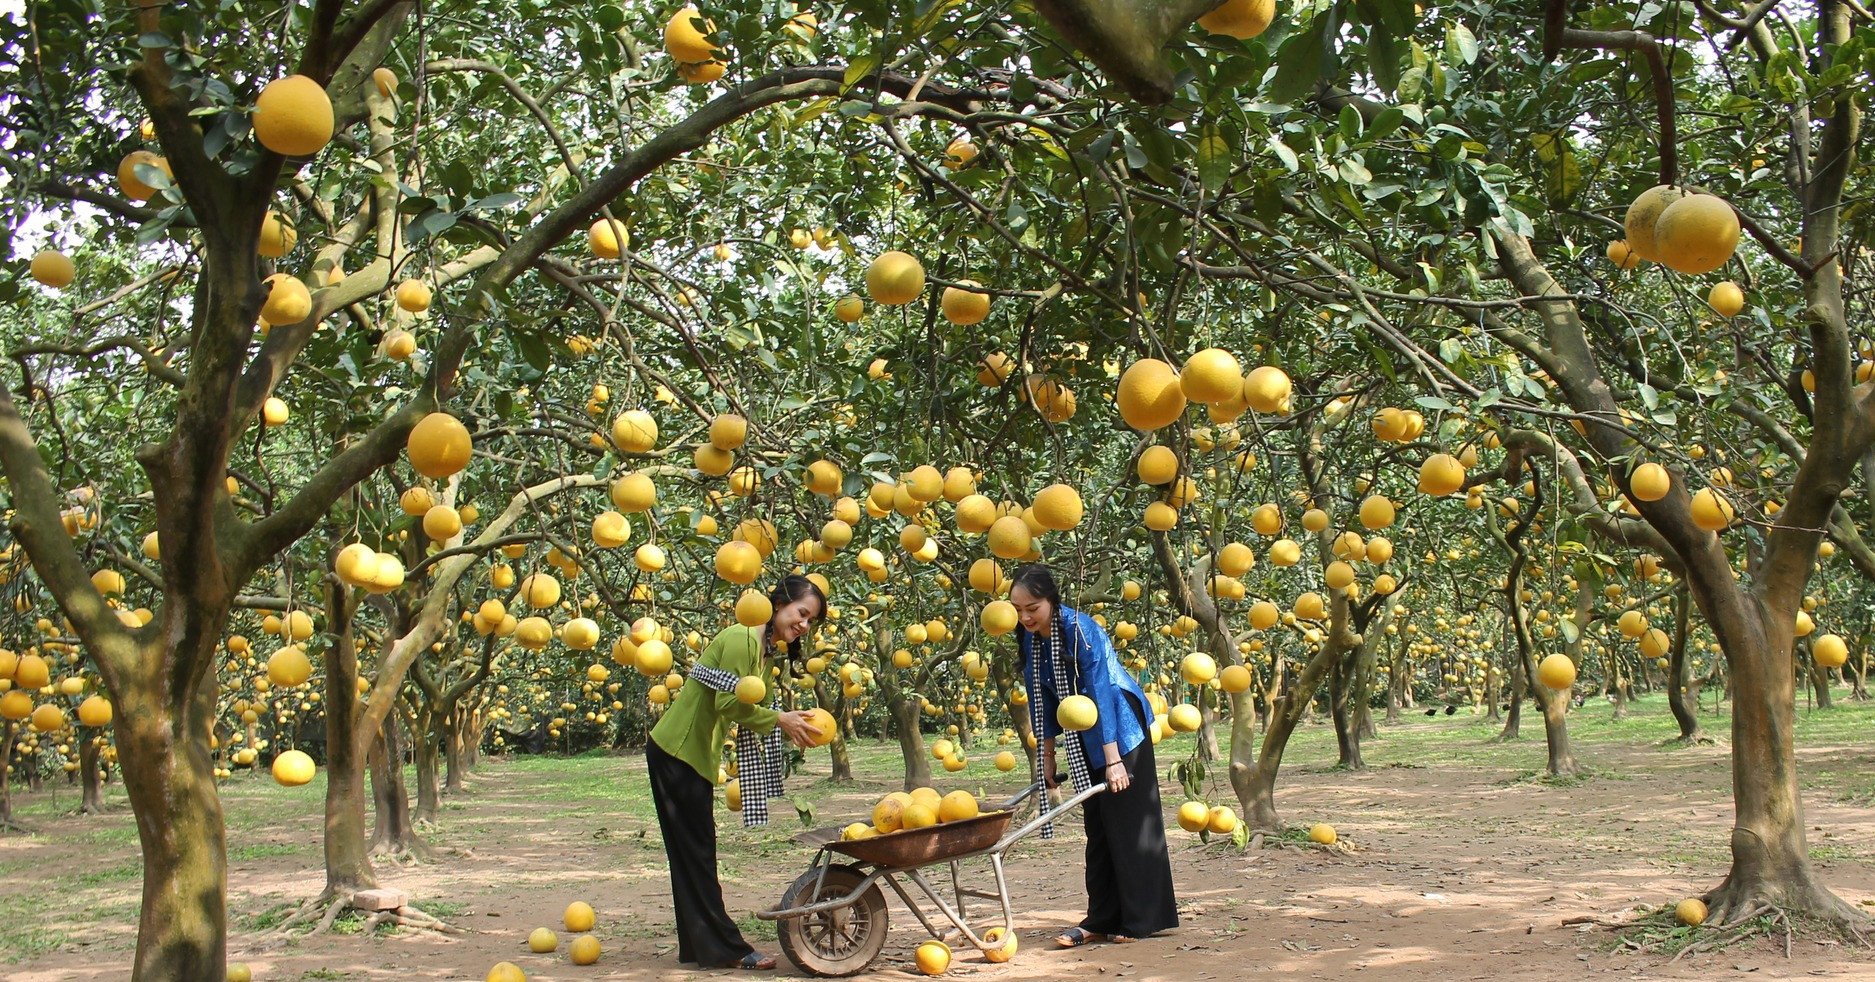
pixel 1078 776
pixel 758 759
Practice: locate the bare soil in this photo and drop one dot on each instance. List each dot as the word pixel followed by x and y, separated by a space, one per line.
pixel 1454 863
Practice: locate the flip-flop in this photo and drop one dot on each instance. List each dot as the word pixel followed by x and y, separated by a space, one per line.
pixel 1075 937
pixel 754 961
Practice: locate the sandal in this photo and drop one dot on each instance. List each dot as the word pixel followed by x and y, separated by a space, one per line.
pixel 1075 937
pixel 754 961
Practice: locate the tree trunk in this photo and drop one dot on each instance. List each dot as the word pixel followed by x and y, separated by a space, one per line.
pixel 393 834
pixel 454 764
pixel 1617 685
pixel 1513 714
pixel 1396 681
pixel 842 762
pixel 1770 857
pixel 88 766
pixel 1679 671
pixel 905 710
pixel 1257 792
pixel 1341 685
pixel 1207 728
pixel 6 775
pixel 169 778
pixel 425 749
pixel 348 860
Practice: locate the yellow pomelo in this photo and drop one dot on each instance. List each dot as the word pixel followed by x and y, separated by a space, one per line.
pixel 1322 833
pixel 895 278
pixel 738 562
pixel 958 806
pixel 1557 672
pixel 584 950
pixel 441 523
pixel 933 957
pixel 963 306
pixel 1211 375
pixel 1077 713
pixel 288 301
pixel 134 187
pixel 1235 559
pixel 1157 465
pixel 1267 389
pixel 1058 507
pixel 1441 474
pixel 1150 396
pixel 293 116
pixel 1641 217
pixel 53 268
pixel 579 916
pixel 1690 912
pixel 293 768
pixel 1726 298
pixel 635 431
pixel 686 42
pixel 1711 510
pixel 607 238
pixel 1194 816
pixel 1830 651
pixel 289 666
pixel 542 940
pixel 439 446
pixel 1696 234
pixel 1240 19
pixel 505 972
pixel 1649 482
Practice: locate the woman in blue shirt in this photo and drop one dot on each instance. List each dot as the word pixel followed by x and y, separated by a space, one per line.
pixel 1064 653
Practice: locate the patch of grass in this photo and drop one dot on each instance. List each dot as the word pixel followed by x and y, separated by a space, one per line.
pixel 262 850
pixel 268 918
pixel 126 872
pixel 754 928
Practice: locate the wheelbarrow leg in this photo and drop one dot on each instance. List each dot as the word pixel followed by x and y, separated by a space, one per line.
pixel 957 887
pixel 1002 892
pixel 945 908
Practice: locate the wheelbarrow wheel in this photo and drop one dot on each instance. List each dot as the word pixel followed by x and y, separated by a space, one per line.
pixel 837 942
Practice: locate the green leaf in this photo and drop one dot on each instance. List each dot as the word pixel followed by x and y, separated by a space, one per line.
pixel 859 68
pixel 1460 43
pixel 1300 61
pixel 1214 159
pixel 1286 155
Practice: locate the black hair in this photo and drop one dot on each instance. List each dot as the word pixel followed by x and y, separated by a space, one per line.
pixel 1036 579
pixel 791 589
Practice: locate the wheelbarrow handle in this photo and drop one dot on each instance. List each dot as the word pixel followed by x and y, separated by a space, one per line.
pixel 1020 797
pixel 1051 814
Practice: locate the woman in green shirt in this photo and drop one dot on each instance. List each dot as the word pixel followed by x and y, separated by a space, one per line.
pixel 682 759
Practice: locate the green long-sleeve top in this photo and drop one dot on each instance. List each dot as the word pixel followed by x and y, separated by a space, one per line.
pixel 694 726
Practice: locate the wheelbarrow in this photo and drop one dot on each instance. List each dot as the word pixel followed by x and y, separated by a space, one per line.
pixel 832 919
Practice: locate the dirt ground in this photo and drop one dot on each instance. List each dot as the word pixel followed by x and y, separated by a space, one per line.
pixel 1459 865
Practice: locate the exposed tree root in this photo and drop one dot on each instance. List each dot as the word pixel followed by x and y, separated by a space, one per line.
pixel 1737 930
pixel 411 917
pixel 1697 739
pixel 326 909
pixel 9 825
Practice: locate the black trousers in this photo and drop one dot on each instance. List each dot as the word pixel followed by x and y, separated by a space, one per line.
pixel 1129 873
pixel 686 814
